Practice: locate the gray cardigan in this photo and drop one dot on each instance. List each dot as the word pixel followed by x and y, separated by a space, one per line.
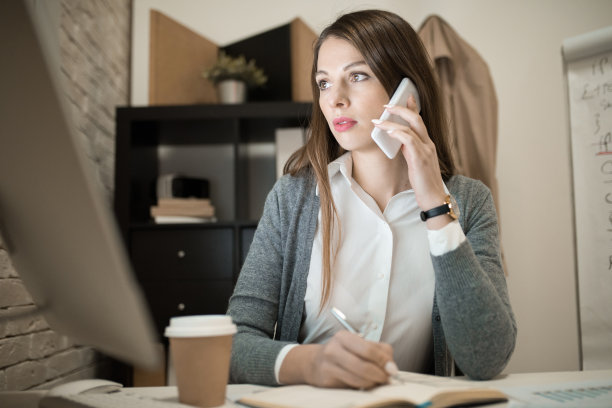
pixel 472 320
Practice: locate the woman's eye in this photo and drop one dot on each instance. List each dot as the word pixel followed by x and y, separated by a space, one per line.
pixel 356 77
pixel 323 85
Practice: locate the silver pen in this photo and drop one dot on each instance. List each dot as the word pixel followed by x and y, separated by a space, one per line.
pixel 390 366
pixel 341 317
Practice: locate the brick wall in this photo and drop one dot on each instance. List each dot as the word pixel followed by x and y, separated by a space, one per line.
pixel 95 56
pixel 93 39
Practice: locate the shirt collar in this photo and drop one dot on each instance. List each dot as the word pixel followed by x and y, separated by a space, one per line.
pixel 343 165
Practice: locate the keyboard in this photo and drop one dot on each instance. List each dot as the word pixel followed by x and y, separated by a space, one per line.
pixel 117 399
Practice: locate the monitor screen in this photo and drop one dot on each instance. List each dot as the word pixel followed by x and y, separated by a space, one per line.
pixel 55 223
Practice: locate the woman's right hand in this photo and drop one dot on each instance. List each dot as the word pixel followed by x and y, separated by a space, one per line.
pixel 346 360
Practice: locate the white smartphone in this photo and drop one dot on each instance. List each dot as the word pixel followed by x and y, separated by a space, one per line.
pixel 387 144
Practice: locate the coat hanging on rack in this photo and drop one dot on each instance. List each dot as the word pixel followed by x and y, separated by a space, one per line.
pixel 470 101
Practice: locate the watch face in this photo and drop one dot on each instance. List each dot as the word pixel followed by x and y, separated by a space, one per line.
pixel 452 206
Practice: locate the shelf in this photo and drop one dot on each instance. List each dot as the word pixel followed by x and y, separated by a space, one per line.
pixel 231 145
pixel 187 268
pixel 251 110
pixel 187 225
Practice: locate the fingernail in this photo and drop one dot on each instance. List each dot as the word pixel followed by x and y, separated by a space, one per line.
pixel 388 106
pixel 391 368
pixel 376 121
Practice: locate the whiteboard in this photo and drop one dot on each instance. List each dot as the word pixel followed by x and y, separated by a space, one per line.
pixel 588 67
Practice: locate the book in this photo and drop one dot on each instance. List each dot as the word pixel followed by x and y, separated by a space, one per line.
pixel 184 203
pixel 175 219
pixel 183 210
pixel 422 391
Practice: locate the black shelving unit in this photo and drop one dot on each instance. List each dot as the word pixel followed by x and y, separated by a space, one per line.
pixel 191 268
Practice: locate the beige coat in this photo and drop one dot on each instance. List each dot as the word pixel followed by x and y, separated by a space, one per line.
pixel 470 101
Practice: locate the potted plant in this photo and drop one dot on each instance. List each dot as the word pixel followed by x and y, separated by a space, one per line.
pixel 232 76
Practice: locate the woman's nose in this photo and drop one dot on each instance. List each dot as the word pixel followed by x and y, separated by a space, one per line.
pixel 338 96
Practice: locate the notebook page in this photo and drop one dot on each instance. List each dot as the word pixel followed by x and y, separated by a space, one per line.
pixel 305 396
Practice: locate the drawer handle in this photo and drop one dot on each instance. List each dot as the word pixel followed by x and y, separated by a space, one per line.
pixel 181 306
pixel 181 254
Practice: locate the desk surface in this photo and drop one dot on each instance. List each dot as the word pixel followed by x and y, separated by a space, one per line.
pixel 526 383
pixel 235 391
pixel 29 399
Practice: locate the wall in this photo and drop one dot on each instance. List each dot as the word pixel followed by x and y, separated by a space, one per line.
pixel 521 41
pixel 89 42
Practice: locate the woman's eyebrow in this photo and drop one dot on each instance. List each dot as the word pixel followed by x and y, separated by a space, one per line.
pixel 346 67
pixel 353 64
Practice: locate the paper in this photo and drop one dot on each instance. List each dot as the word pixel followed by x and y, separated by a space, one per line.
pixel 589 81
pixel 288 140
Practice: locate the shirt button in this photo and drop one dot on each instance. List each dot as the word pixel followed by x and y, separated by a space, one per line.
pixel 437 318
pixel 381 275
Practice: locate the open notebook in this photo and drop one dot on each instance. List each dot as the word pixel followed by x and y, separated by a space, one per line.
pixel 415 390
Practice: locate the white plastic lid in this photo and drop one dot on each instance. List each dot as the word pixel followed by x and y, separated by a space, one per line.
pixel 200 326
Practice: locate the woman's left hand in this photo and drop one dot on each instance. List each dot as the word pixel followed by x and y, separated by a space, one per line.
pixel 420 154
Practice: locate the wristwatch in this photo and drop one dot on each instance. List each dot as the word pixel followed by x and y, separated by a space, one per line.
pixel 449 207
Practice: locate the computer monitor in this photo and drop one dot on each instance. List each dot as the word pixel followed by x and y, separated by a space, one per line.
pixel 55 223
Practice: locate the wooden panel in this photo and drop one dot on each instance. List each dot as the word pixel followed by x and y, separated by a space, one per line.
pixel 302 42
pixel 176 60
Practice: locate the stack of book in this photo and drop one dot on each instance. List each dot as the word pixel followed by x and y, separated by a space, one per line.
pixel 182 199
pixel 169 210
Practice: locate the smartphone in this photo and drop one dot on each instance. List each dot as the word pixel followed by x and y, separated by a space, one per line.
pixel 387 144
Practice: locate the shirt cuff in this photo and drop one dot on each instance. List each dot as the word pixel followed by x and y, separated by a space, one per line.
pixel 279 359
pixel 446 239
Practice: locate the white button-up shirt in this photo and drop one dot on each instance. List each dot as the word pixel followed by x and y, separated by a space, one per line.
pixel 383 278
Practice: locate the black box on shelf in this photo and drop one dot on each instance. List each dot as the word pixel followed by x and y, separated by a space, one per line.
pixel 177 186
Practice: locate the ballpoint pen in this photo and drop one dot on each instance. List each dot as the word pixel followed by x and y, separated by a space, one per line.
pixel 341 317
pixel 390 366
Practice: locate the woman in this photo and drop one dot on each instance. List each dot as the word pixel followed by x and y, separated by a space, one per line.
pixel 344 229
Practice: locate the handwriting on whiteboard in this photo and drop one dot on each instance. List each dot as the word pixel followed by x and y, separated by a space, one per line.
pixel 599 88
pixel 594 91
pixel 589 80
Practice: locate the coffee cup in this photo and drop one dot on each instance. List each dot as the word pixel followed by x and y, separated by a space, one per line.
pixel 200 348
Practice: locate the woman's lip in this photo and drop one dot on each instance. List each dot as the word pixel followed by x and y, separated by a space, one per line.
pixel 342 124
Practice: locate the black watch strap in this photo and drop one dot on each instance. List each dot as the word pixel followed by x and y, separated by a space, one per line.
pixel 434 212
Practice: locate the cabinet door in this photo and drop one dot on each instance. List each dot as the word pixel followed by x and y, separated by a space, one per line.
pixel 184 271
pixel 182 298
pixel 180 254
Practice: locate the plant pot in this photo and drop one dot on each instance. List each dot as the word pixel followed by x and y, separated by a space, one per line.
pixel 232 91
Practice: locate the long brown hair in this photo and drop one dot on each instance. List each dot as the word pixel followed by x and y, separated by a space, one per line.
pixel 393 50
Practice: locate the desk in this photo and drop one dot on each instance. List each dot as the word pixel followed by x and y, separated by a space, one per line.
pixel 503 382
pixel 29 399
pixel 544 380
pixel 234 392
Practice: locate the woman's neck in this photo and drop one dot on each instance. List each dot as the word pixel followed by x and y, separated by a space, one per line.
pixel 380 177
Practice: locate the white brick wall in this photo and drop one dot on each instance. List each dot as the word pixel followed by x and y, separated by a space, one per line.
pixel 31 354
pixel 13 293
pixel 13 327
pixel 94 49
